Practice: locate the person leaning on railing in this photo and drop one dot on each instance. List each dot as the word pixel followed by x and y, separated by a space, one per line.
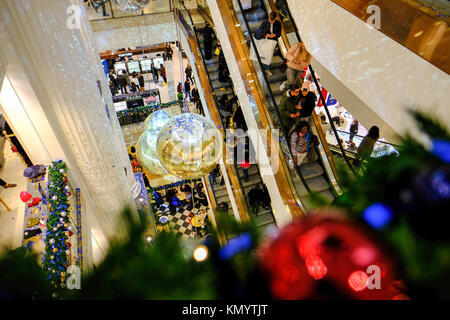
pixel 365 149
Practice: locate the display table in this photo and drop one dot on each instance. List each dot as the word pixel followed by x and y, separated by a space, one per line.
pixel 198 221
pixel 139 114
pixel 138 95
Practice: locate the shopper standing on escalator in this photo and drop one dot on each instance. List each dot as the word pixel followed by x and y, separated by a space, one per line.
pixel 207 33
pixel 287 107
pixel 270 30
pixel 298 58
pixel 302 142
pixel 223 67
pixel 307 103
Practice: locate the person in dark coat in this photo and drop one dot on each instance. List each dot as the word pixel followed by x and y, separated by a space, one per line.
pixel 169 52
pixel 264 31
pixel 155 74
pixel 113 88
pixel 239 119
pixel 224 73
pixel 122 82
pixel 208 34
pixel 188 72
pixel 195 95
pixel 307 101
pixel 287 107
pixel 141 82
pixel 354 127
pixel 187 89
pixel 258 196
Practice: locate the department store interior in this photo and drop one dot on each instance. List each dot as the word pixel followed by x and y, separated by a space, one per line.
pixel 303 142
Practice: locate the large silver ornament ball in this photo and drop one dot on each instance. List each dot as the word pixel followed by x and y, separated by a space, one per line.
pixel 189 146
pixel 146 146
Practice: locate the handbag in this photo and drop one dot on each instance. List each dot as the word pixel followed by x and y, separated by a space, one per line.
pixel 217 52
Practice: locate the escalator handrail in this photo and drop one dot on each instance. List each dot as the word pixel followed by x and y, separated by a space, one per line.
pixel 320 94
pixel 272 97
pixel 210 84
pixel 223 125
pixel 378 141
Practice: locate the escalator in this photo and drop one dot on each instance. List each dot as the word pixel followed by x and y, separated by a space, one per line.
pixel 263 217
pixel 314 172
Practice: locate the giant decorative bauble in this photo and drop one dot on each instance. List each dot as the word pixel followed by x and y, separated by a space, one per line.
pixel 189 146
pixel 146 146
pixel 156 120
pixel 131 5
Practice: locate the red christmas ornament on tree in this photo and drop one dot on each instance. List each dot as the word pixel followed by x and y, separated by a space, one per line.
pixel 25 196
pixel 321 256
pixel 35 201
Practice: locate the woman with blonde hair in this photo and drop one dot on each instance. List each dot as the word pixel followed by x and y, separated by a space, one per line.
pixel 298 58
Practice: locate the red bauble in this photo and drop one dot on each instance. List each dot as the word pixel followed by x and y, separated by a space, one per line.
pixel 68 194
pixel 328 249
pixel 70 233
pixel 36 201
pixel 25 196
pixel 69 244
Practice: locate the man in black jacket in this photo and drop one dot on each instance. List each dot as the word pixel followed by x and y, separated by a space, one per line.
pixel 258 197
pixel 307 103
pixel 208 34
pixel 269 29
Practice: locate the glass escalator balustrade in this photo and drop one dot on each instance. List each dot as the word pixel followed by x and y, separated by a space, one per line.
pixel 312 172
pixel 223 87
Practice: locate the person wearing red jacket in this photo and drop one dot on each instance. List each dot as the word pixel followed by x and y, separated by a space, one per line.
pixel 245 165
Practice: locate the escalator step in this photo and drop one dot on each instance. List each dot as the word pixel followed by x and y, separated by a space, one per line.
pixel 311 170
pixel 318 184
pixel 328 195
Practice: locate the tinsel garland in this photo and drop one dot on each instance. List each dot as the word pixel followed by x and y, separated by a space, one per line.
pixel 57 247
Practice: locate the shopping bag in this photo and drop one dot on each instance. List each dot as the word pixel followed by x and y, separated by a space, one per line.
pixel 265 49
pixel 217 52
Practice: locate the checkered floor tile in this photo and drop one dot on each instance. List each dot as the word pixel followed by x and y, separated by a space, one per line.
pixel 180 220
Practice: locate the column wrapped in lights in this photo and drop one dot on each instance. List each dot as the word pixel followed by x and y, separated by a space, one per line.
pixel 57 245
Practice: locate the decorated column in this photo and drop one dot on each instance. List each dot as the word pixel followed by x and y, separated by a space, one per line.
pixel 52 41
